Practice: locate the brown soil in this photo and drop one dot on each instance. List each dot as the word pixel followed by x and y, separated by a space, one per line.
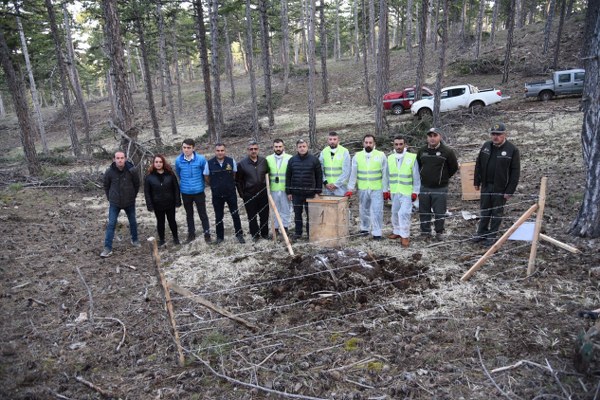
pixel 373 321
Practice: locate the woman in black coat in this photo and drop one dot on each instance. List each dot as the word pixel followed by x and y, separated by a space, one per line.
pixel 162 196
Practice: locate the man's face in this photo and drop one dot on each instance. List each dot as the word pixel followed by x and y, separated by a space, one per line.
pixel 253 151
pixel 120 159
pixel 433 139
pixel 278 148
pixel 302 148
pixel 369 143
pixel 498 138
pixel 399 145
pixel 333 141
pixel 187 149
pixel 220 152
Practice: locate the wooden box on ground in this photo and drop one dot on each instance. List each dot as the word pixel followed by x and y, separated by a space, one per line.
pixel 328 220
pixel 467 175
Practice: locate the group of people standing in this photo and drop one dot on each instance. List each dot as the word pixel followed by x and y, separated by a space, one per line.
pixel 402 177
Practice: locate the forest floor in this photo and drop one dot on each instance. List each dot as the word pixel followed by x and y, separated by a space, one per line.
pixel 368 321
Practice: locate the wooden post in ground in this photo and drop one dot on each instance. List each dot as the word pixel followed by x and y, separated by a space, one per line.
pixel 538 226
pixel 167 296
pixel 560 244
pixel 499 242
pixel 278 217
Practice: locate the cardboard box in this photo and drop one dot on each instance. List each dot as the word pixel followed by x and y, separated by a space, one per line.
pixel 467 175
pixel 328 217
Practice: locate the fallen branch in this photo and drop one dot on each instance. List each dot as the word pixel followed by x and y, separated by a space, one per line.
pixel 201 300
pixel 92 386
pixel 555 376
pixel 124 330
pixel 517 365
pixel 91 308
pixel 489 376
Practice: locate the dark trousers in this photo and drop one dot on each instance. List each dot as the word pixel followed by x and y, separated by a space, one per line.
pixel 219 206
pixel 257 207
pixel 188 203
pixel 492 210
pixel 160 222
pixel 299 203
pixel 432 199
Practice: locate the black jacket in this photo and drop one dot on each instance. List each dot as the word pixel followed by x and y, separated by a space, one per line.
pixel 161 191
pixel 436 165
pixel 304 176
pixel 507 171
pixel 251 177
pixel 222 177
pixel 121 187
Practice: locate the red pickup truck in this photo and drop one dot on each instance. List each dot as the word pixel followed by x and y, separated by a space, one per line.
pixel 398 102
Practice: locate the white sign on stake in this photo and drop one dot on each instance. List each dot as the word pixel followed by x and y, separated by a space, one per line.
pixel 524 232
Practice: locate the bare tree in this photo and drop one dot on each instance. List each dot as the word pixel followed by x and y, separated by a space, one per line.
pixel 145 68
pixel 421 61
pixel 175 46
pixel 409 28
pixel 63 80
pixel 216 73
pixel 372 37
pixel 165 71
pixel 285 46
pixel 509 40
pixel 250 62
pixel 26 127
pixel 441 66
pixel 337 43
pixel 266 57
pixel 548 27
pixel 479 28
pixel 559 33
pixel 2 109
pixel 587 222
pixel 228 60
pixel 380 75
pixel 365 54
pixel 323 43
pixel 312 117
pixel 357 32
pixel 519 13
pixel 35 99
pixel 494 20
pixel 202 49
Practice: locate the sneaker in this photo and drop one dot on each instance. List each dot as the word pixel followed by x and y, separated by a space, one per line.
pixel 191 237
pixel 405 242
pixel 106 252
pixel 377 238
pixel 477 239
pixel 241 239
pixel 207 238
pixel 295 236
pixel 439 237
pixel 363 233
pixel 393 236
pixel 161 243
pixel 176 241
pixel 489 242
pixel 136 243
pixel 218 241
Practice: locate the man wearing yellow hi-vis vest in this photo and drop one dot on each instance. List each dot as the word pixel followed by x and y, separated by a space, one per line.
pixel 277 167
pixel 405 184
pixel 370 175
pixel 335 162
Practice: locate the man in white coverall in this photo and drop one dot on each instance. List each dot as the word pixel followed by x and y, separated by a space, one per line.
pixel 336 164
pixel 370 175
pixel 277 166
pixel 404 186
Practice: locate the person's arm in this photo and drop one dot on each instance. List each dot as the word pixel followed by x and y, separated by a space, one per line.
pixel 353 174
pixel 288 177
pixel 318 177
pixel 452 162
pixel 416 179
pixel 477 172
pixel 148 194
pixel 135 179
pixel 176 192
pixel 384 173
pixel 177 167
pixel 206 174
pixel 322 162
pixel 240 180
pixel 515 173
pixel 106 183
pixel 346 168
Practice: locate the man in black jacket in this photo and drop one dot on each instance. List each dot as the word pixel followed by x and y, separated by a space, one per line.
pixel 497 172
pixel 303 180
pixel 251 181
pixel 437 164
pixel 121 185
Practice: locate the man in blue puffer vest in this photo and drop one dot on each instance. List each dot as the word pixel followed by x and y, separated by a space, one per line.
pixel 189 166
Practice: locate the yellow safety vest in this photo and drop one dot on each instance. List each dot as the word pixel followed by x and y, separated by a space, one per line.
pixel 401 179
pixel 332 166
pixel 277 185
pixel 369 176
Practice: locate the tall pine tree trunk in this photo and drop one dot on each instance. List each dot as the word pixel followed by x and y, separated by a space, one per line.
pixel 356 32
pixel 323 44
pixel 365 54
pixel 202 49
pixel 285 46
pixel 548 27
pixel 266 58
pixel 34 93
pixel 372 38
pixel 409 28
pixel 165 71
pixel 251 75
pixel 338 44
pixel 145 72
pixel 421 62
pixel 2 108
pixel 380 75
pixel 559 33
pixel 63 80
pixel 494 21
pixel 229 60
pixel 215 66
pixel 178 72
pixel 312 115
pixel 479 29
pixel 509 40
pixel 441 66
pixel 130 72
pixel 26 127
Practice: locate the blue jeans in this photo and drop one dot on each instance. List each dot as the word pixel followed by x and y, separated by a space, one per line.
pixel 113 215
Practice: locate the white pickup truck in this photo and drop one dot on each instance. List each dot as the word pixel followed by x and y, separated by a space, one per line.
pixel 455 97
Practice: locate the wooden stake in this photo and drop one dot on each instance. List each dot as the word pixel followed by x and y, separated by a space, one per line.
pixel 560 244
pixel 538 227
pixel 165 287
pixel 499 242
pixel 278 217
pixel 201 300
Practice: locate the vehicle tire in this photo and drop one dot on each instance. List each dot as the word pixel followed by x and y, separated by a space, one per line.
pixel 425 113
pixel 397 109
pixel 546 95
pixel 476 106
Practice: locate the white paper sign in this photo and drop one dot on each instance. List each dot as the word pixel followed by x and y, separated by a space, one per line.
pixel 524 232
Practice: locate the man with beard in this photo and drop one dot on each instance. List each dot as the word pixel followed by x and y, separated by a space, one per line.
pixel 278 162
pixel 370 175
pixel 335 162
